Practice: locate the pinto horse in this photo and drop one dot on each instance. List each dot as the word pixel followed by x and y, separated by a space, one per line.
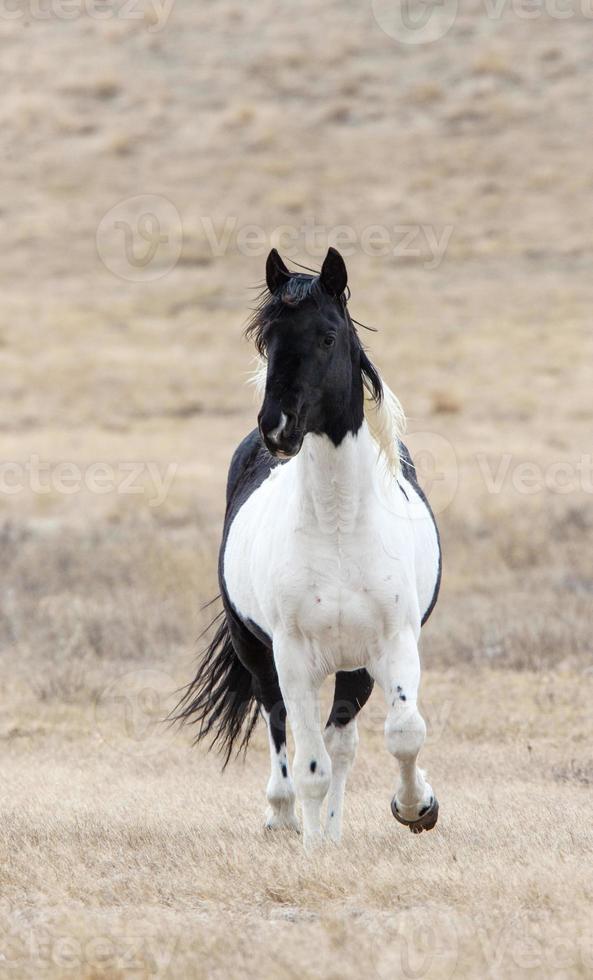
pixel 330 563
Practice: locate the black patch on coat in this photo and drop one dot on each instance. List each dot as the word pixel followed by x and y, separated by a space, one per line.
pixel 351 693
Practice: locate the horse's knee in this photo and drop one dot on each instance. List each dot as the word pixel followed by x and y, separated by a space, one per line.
pixel 279 792
pixel 341 742
pixel 405 732
pixel 312 775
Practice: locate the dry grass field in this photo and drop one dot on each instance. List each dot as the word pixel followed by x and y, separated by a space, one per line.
pixel 457 179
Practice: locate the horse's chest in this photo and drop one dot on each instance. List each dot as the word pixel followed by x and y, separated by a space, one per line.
pixel 341 595
pixel 342 584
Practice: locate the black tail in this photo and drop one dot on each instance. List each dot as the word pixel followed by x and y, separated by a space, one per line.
pixel 220 699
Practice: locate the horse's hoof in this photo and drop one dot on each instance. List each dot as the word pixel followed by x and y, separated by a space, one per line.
pixel 426 820
pixel 281 821
pixel 272 828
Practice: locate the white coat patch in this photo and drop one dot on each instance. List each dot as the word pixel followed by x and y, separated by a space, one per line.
pixel 330 552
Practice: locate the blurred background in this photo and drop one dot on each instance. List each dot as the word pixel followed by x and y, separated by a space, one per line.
pixel 152 154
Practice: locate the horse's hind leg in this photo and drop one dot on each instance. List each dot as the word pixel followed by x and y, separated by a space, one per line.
pixel 352 691
pixel 256 657
pixel 398 673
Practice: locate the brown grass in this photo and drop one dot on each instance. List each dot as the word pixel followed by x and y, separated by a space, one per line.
pixel 124 853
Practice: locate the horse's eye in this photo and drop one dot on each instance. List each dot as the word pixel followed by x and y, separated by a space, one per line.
pixel 328 341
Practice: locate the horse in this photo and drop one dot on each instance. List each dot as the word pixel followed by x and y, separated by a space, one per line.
pixel 330 563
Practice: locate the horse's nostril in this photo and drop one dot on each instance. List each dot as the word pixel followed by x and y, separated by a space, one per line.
pixel 281 435
pixel 275 435
pixel 290 424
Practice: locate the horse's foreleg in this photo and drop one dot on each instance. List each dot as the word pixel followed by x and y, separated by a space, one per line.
pixel 312 764
pixel 280 789
pixel 398 673
pixel 341 743
pixel 353 688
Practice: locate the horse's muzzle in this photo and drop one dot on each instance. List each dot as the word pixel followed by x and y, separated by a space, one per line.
pixel 282 435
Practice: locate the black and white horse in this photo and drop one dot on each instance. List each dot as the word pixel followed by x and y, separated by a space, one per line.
pixel 329 564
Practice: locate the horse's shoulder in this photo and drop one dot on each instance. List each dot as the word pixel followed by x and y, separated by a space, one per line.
pixel 250 465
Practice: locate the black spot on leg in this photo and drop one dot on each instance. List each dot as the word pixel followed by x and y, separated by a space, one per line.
pixel 313 766
pixel 284 771
pixel 331 814
pixel 402 697
pixel 399 688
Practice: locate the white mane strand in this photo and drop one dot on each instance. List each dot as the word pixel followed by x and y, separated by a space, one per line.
pixel 387 423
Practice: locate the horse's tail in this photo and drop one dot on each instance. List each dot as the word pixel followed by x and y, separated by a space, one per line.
pixel 220 700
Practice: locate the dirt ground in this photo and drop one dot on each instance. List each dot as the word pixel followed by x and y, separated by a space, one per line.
pixel 151 157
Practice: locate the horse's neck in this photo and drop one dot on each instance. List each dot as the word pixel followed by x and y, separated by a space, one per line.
pixel 334 482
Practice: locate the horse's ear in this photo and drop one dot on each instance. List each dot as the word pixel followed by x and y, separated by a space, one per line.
pixel 333 276
pixel 276 271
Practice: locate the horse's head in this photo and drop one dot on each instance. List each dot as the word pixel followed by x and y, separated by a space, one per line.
pixel 315 361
